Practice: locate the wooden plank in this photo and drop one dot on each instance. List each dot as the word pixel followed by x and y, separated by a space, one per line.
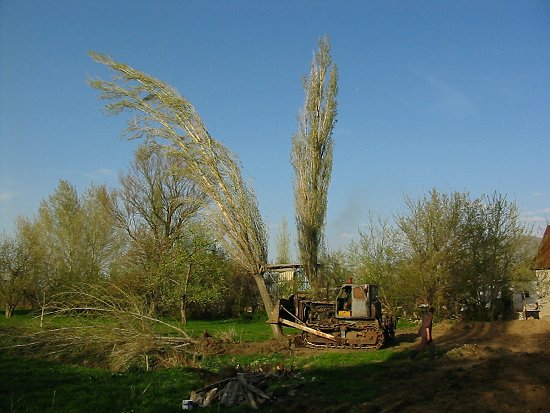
pixel 308 329
pixel 242 379
pixel 212 385
pixel 248 395
pixel 230 394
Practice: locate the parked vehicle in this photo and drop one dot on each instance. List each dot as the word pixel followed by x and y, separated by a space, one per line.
pixel 526 305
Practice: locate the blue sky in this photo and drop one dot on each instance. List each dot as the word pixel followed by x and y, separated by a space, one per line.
pixel 452 95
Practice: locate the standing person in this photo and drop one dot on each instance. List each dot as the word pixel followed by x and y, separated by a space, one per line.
pixel 425 333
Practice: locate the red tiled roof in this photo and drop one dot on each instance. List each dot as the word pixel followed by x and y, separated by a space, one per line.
pixel 542 261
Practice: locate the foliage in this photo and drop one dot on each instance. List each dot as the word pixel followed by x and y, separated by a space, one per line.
pixel 312 148
pixel 376 259
pixel 155 207
pixel 40 266
pixel 155 197
pixel 72 239
pixel 14 272
pixel 202 274
pixel 431 237
pixel 78 234
pixel 490 256
pixel 462 254
pixel 335 268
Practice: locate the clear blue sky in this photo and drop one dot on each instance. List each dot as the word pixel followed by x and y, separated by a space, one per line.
pixel 452 95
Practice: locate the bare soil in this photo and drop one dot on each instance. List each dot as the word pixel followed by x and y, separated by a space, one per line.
pixel 481 367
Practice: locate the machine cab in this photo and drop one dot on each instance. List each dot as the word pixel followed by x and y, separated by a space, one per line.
pixel 357 301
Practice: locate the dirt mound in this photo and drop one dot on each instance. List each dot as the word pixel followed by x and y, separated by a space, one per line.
pixel 482 367
pixel 208 345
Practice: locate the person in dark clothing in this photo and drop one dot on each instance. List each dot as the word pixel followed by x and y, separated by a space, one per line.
pixel 425 334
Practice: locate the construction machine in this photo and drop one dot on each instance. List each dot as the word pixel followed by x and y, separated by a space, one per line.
pixel 354 320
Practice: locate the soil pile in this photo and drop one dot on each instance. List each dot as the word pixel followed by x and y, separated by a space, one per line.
pixel 483 367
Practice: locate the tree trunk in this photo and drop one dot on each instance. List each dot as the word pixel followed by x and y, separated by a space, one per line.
pixel 183 298
pixel 9 310
pixel 183 309
pixel 268 303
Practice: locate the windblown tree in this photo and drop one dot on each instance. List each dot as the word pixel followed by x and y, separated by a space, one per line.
pixel 312 148
pixel 162 114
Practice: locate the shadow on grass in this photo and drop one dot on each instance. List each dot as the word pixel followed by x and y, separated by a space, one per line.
pixel 31 385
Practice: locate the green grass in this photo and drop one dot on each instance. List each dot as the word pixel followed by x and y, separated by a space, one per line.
pixel 31 385
pixel 28 384
pixel 244 330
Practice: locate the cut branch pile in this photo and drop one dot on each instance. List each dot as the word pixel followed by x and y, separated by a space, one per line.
pixel 109 323
pixel 252 389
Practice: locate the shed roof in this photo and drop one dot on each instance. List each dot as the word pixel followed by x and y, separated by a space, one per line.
pixel 542 260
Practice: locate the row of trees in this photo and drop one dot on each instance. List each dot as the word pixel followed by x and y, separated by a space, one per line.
pixel 464 255
pixel 459 253
pixel 148 238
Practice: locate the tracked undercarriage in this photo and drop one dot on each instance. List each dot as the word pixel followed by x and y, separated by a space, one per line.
pixel 353 321
pixel 359 336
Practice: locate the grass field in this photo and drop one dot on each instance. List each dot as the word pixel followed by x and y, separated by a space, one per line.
pixel 33 384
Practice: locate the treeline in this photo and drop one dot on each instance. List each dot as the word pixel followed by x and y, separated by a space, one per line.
pixel 150 238
pixel 463 255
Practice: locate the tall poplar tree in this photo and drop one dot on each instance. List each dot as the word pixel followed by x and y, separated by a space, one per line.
pixel 312 148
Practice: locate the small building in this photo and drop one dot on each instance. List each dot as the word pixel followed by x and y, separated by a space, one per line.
pixel 284 279
pixel 542 274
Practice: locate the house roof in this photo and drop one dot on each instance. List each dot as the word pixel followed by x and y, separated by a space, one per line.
pixel 542 260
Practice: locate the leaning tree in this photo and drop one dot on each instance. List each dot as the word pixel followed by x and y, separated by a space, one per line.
pixel 161 114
